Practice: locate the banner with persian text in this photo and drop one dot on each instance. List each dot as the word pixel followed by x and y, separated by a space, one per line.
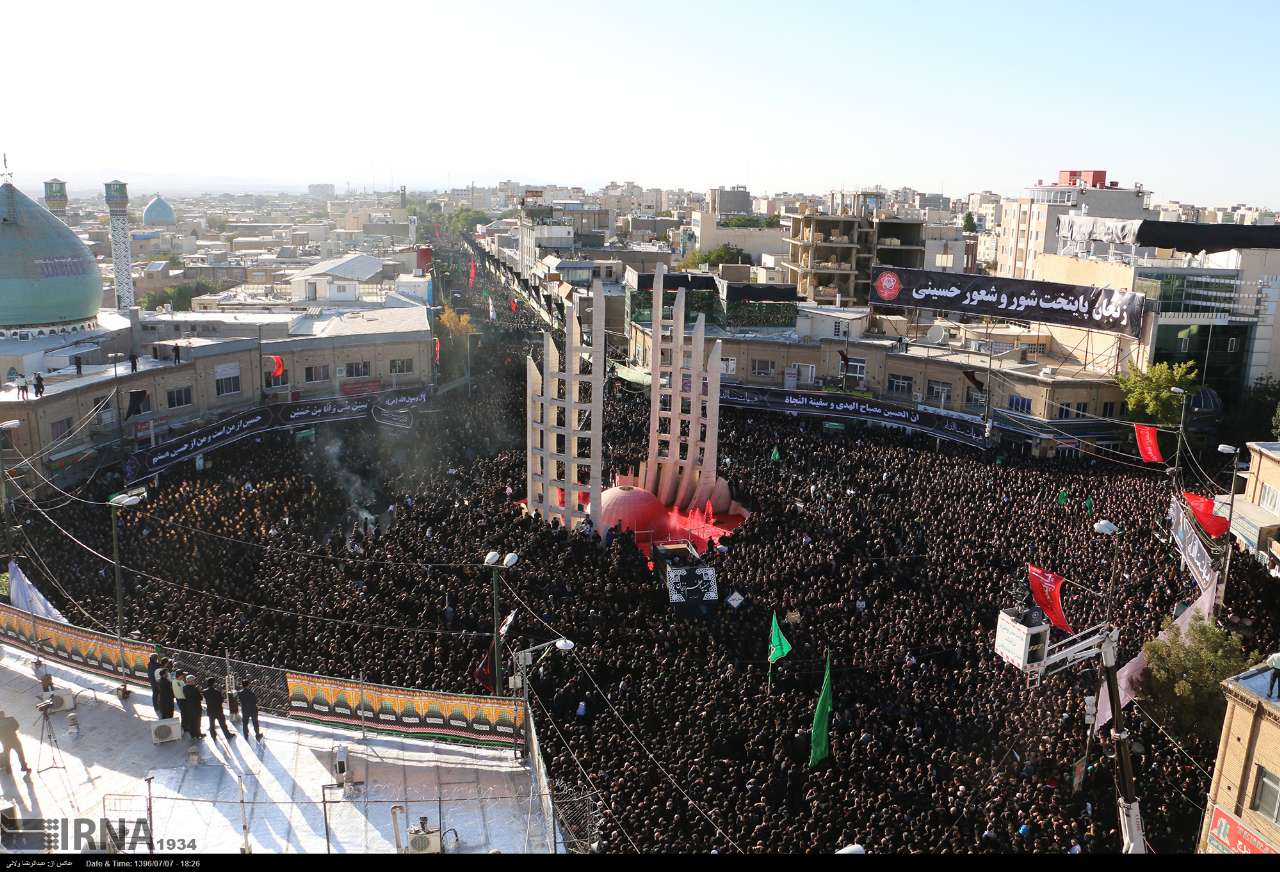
pixel 384 406
pixel 476 720
pixel 1106 309
pixel 1194 555
pixel 967 429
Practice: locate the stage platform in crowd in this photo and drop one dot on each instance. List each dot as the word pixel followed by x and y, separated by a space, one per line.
pixel 480 800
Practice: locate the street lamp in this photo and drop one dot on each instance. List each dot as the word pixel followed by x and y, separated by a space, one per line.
pixel 491 560
pixel 1131 822
pixel 126 500
pixel 4 485
pixel 1231 509
pixel 1182 420
pixel 525 665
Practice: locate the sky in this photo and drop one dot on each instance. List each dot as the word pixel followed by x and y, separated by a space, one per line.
pixel 801 96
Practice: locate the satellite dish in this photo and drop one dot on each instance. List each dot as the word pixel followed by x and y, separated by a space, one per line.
pixel 937 335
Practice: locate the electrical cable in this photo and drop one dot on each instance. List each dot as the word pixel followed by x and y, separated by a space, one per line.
pixel 618 715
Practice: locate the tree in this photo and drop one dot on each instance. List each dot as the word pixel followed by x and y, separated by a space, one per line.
pixel 723 254
pixel 1180 687
pixel 970 226
pixel 1149 394
pixel 454 329
pixel 665 213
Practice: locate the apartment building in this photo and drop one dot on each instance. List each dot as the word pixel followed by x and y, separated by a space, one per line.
pixel 830 255
pixel 1029 224
pixel 1242 815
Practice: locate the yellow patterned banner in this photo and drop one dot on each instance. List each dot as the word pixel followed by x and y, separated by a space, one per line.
pixel 76 646
pixel 481 720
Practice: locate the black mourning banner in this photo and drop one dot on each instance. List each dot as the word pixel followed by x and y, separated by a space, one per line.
pixel 967 430
pixel 1106 309
pixel 691 584
pixel 392 407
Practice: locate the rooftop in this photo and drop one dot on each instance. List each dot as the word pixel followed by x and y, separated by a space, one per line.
pixel 485 795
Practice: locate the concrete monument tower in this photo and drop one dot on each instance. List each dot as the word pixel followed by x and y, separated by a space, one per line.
pixel 684 407
pixel 565 403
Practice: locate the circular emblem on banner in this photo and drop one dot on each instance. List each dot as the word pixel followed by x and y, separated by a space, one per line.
pixel 888 285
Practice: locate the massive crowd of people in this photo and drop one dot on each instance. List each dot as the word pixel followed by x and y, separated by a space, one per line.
pixel 884 551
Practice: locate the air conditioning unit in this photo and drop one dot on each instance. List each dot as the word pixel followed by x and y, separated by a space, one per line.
pixel 341 767
pixel 166 730
pixel 1048 371
pixel 917 397
pixel 423 839
pixel 61 701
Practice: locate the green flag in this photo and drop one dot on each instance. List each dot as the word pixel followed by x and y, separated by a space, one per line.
pixel 779 647
pixel 819 746
pixel 776 455
pixel 1088 506
pixel 1062 497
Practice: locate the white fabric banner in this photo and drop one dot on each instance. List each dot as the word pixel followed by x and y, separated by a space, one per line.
pixel 23 595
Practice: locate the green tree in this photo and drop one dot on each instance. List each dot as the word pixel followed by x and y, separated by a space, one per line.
pixel 1180 687
pixel 665 213
pixel 723 254
pixel 1275 423
pixel 1150 395
pixel 178 296
pixel 970 226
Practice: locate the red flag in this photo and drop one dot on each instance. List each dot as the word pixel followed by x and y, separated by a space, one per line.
pixel 513 307
pixel 1148 447
pixel 1202 508
pixel 277 364
pixel 1046 588
pixel 437 351
pixel 483 673
pixel 471 279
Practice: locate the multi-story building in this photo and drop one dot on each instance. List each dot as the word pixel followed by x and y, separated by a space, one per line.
pixel 1028 224
pixel 706 233
pixel 729 201
pixel 830 255
pixel 1242 815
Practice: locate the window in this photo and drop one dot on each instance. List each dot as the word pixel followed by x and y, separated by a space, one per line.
pixel 1232 344
pixel 356 369
pixel 316 373
pixel 900 384
pixel 1064 411
pixel 1082 409
pixel 270 381
pixel 402 366
pixel 974 397
pixel 805 373
pixel 1184 344
pixel 835 329
pixel 1271 499
pixel 225 386
pixel 311 290
pixel 1266 794
pixel 179 397
pixel 937 393
pixel 1109 409
pixel 1018 404
pixel 60 428
pixel 761 367
pixel 728 365
pixel 857 367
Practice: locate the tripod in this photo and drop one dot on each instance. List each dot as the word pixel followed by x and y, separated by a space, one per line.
pixel 47 735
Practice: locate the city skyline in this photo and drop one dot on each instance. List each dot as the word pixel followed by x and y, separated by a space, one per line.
pixel 809 102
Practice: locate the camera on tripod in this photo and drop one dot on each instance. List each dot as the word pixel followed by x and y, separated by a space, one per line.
pixel 44 705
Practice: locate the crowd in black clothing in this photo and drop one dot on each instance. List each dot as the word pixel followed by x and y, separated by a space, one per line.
pixel 886 551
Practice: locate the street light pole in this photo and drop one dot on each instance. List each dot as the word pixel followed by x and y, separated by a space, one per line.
pixel 491 560
pixel 126 500
pixel 1182 420
pixel 1231 510
pixel 1130 813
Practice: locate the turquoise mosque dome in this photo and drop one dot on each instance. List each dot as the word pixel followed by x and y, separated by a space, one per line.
pixel 47 275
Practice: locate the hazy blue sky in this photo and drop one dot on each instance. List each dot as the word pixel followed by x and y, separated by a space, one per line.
pixel 948 96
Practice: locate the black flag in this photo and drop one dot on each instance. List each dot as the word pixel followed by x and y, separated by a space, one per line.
pixel 137 399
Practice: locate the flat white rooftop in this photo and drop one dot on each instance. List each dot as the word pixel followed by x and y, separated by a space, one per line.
pixel 484 795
